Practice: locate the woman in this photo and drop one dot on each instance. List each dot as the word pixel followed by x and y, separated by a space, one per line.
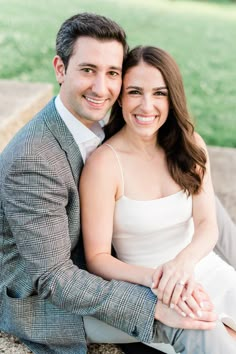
pixel 154 199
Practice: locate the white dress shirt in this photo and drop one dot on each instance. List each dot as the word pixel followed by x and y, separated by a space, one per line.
pixel 87 139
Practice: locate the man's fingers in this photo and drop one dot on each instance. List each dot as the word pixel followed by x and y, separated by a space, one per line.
pixel 199 325
pixel 175 319
pixel 193 306
pixel 202 298
pixel 183 308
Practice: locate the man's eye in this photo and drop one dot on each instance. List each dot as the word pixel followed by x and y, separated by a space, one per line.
pixel 114 73
pixel 87 70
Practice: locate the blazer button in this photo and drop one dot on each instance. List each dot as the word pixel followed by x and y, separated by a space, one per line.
pixel 135 332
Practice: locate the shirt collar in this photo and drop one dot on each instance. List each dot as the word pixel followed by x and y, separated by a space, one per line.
pixel 79 131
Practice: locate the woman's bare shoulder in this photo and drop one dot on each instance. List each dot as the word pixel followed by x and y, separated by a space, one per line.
pixel 100 171
pixel 199 141
pixel 101 162
pixel 102 154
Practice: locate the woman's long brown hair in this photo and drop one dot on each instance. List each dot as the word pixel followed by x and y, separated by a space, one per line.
pixel 186 161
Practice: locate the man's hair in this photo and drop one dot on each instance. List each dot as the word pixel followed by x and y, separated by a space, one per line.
pixel 87 25
pixel 186 161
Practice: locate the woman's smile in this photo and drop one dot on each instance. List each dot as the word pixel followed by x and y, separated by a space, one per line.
pixel 144 119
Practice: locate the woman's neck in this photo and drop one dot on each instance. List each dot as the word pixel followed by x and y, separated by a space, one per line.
pixel 145 147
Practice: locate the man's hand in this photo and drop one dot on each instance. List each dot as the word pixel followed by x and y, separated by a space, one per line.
pixel 194 304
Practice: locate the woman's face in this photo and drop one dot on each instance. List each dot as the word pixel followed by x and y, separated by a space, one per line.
pixel 144 100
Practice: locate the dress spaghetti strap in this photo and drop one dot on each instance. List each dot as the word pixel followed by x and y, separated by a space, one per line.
pixel 120 167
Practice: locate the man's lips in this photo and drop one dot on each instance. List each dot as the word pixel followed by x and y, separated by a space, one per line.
pixel 95 101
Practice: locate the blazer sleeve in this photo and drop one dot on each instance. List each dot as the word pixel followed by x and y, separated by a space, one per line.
pixel 35 200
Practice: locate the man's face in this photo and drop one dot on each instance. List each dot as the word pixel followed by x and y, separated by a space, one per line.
pixel 92 81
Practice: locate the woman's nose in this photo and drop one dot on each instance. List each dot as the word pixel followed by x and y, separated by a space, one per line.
pixel 147 103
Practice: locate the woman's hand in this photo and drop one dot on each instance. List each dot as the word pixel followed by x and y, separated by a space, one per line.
pixel 174 280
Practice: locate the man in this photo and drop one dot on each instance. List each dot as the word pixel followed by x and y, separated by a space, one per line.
pixel 44 289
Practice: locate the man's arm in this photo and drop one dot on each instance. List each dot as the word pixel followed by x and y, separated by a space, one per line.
pixel 35 198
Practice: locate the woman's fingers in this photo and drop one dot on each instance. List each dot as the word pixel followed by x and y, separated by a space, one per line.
pixel 189 288
pixel 156 277
pixel 162 288
pixel 177 292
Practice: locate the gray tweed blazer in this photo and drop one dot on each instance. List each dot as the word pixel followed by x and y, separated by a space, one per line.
pixel 44 288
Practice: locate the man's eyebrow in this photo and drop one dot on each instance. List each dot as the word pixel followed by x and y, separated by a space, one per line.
pixel 87 64
pixel 95 66
pixel 118 68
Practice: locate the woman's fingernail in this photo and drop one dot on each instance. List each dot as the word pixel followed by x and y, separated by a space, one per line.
pixel 183 314
pixel 152 286
pixel 202 305
pixel 191 315
pixel 199 313
pixel 172 306
pixel 184 298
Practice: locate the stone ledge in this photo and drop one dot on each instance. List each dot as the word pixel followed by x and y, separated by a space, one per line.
pixel 19 102
pixel 223 169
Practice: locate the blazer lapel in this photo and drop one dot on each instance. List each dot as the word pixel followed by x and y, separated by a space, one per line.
pixel 65 139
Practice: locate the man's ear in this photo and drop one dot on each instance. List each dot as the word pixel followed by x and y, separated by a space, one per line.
pixel 59 69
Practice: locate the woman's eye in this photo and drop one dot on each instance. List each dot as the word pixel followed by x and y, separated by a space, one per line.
pixel 134 92
pixel 161 93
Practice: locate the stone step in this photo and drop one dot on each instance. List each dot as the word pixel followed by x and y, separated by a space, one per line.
pixel 18 103
pixel 11 345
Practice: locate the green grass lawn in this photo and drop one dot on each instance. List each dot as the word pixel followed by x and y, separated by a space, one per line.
pixel 201 35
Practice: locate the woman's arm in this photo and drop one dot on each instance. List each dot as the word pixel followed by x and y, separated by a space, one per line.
pixel 204 217
pixel 100 187
pixel 168 278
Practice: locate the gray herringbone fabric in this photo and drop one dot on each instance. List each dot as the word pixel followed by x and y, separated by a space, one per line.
pixel 44 292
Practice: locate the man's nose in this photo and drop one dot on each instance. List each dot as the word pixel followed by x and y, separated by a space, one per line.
pixel 100 85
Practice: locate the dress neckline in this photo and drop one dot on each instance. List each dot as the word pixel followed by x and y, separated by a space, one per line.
pixel 124 197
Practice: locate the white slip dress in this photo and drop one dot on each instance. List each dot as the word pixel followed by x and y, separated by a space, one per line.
pixel 152 232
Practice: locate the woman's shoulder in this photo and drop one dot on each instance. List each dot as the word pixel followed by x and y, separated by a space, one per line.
pixel 100 169
pixel 103 154
pixel 199 140
pixel 102 160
